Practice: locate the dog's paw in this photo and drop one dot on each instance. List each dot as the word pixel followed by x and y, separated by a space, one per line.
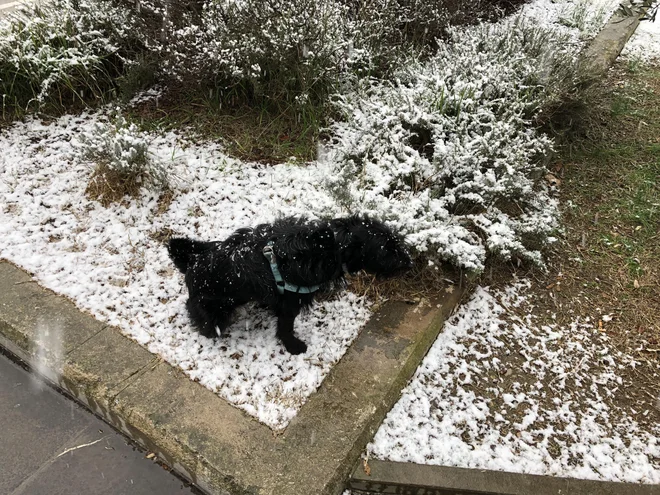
pixel 295 346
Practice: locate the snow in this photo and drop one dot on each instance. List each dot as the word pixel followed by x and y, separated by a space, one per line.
pixel 108 262
pixel 499 391
pixel 644 44
pixel 581 19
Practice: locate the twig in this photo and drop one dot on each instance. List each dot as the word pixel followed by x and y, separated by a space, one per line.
pixel 83 445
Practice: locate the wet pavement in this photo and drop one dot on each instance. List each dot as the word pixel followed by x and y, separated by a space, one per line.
pixel 50 446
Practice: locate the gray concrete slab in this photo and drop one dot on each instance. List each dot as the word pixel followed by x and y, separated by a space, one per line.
pixel 29 311
pixel 32 430
pixel 603 50
pixel 401 477
pixel 119 358
pixel 38 427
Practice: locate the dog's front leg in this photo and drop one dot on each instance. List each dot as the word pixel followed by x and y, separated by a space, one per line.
pixel 287 311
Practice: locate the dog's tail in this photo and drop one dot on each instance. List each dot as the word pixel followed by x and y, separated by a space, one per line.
pixel 182 250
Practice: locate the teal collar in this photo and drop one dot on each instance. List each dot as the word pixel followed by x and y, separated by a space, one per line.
pixel 281 284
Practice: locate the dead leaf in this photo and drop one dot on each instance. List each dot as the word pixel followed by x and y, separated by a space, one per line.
pixel 366 467
pixel 151 455
pixel 552 180
pixel 450 289
pixel 236 355
pixel 635 284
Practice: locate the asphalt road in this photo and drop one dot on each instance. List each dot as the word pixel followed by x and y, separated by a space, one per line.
pixel 51 446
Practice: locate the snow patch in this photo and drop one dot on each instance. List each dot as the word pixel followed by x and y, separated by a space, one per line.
pixel 111 263
pixel 551 418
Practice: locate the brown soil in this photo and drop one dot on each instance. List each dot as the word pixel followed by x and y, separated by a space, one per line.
pixel 607 260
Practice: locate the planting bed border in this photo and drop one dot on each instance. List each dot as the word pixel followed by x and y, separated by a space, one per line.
pixel 387 477
pixel 201 436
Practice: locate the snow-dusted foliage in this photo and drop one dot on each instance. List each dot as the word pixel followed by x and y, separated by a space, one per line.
pixel 63 50
pixel 445 152
pixel 423 23
pixel 121 148
pixel 296 50
pixel 281 49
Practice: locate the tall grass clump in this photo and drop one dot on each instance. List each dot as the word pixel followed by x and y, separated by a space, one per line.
pixel 64 51
pixel 422 24
pixel 276 52
pixel 121 160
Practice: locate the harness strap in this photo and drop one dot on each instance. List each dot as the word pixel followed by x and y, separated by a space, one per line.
pixel 280 283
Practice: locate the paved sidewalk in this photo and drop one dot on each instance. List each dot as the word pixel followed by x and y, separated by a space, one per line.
pixel 51 446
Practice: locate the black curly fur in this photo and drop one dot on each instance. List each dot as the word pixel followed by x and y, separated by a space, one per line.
pixel 222 275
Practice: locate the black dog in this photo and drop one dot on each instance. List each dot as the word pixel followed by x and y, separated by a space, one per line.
pixel 281 265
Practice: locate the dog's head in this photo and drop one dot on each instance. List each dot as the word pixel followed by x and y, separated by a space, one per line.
pixel 367 244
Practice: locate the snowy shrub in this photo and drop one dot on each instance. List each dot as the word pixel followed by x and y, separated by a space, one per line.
pixel 295 51
pixel 282 50
pixel 445 152
pixel 64 50
pixel 122 162
pixel 422 23
pixel 279 51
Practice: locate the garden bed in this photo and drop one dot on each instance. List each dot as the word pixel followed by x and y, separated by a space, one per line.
pixel 461 176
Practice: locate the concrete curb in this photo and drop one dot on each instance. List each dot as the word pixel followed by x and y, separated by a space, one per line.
pixel 198 434
pixel 400 477
pixel 604 49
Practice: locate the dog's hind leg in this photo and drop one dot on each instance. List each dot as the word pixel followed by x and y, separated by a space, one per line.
pixel 209 317
pixel 287 311
pixel 285 333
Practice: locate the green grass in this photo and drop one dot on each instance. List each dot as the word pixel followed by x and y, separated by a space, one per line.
pixel 614 180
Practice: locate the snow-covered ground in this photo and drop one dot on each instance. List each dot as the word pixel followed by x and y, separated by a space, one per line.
pixel 644 45
pixel 499 391
pixel 110 261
